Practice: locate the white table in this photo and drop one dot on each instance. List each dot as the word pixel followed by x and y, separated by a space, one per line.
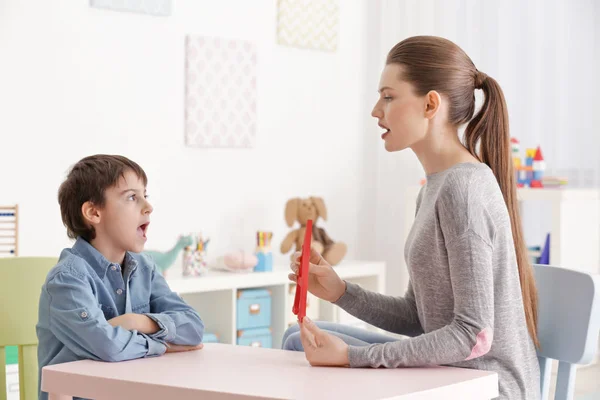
pixel 225 372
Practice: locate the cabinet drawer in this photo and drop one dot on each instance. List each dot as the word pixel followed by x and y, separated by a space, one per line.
pixel 253 309
pixel 259 337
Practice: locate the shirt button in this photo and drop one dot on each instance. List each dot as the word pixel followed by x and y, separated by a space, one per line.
pixel 119 291
pixel 83 314
pixel 114 267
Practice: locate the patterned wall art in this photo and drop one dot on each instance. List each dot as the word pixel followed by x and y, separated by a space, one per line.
pixel 220 92
pixel 162 8
pixel 312 24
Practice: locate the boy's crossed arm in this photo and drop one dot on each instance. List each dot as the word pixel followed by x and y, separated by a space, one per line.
pixel 78 322
pixel 170 319
pixel 178 323
pixel 135 322
pixel 146 325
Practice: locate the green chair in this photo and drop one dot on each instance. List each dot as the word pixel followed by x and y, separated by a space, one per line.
pixel 21 280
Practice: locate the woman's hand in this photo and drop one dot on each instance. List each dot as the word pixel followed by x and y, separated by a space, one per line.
pixel 323 281
pixel 321 348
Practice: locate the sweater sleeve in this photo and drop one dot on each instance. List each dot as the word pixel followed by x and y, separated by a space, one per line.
pixel 394 314
pixel 470 333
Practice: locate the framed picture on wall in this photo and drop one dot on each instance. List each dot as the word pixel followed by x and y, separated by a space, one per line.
pixel 220 92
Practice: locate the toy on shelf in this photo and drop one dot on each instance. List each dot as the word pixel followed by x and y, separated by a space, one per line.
pixel 264 254
pixel 538 254
pixel 554 181
pixel 236 261
pixel 531 172
pixel 545 255
pixel 534 252
pixel 164 260
pixel 194 258
pixel 302 210
pixel 299 307
pixel 9 230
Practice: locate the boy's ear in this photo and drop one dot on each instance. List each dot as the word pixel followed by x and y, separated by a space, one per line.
pixel 91 213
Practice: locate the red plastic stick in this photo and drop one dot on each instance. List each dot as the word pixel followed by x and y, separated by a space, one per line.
pixel 302 284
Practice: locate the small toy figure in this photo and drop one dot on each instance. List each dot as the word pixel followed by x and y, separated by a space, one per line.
pixel 532 171
pixel 539 165
pixel 165 260
pixel 302 210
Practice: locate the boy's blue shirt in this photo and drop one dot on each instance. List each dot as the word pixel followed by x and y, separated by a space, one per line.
pixel 84 290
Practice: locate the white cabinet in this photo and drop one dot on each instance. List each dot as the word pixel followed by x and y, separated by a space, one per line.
pixel 214 297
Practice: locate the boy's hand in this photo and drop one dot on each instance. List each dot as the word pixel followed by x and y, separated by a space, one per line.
pixel 177 348
pixel 137 322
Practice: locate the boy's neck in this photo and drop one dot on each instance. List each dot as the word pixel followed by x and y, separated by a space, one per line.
pixel 108 250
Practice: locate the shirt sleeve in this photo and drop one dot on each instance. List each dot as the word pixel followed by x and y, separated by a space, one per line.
pixel 470 333
pixel 178 322
pixel 78 322
pixel 394 314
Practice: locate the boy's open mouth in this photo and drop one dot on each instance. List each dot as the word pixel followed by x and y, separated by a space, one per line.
pixel 142 229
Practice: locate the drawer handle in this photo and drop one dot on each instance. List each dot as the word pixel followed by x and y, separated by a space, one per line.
pixel 254 309
pixel 256 344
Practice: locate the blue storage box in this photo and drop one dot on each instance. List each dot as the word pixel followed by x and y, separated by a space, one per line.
pixel 253 309
pixel 259 337
pixel 210 338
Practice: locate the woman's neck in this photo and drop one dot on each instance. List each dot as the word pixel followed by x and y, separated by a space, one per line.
pixel 441 150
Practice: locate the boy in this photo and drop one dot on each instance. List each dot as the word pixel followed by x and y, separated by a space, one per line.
pixel 103 300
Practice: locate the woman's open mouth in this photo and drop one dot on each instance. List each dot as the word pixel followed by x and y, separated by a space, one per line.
pixel 385 131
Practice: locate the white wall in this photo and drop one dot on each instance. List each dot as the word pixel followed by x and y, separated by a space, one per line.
pixel 76 81
pixel 544 54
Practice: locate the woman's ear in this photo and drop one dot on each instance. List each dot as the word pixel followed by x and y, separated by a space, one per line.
pixel 91 214
pixel 433 102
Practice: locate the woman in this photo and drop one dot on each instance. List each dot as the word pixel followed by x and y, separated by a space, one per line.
pixel 471 300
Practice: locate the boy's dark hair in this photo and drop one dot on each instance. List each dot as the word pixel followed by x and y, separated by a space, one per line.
pixel 87 181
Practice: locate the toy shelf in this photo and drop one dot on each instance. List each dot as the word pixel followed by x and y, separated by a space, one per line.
pixel 214 296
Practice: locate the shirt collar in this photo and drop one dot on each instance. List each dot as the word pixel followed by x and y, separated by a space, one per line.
pixel 97 261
